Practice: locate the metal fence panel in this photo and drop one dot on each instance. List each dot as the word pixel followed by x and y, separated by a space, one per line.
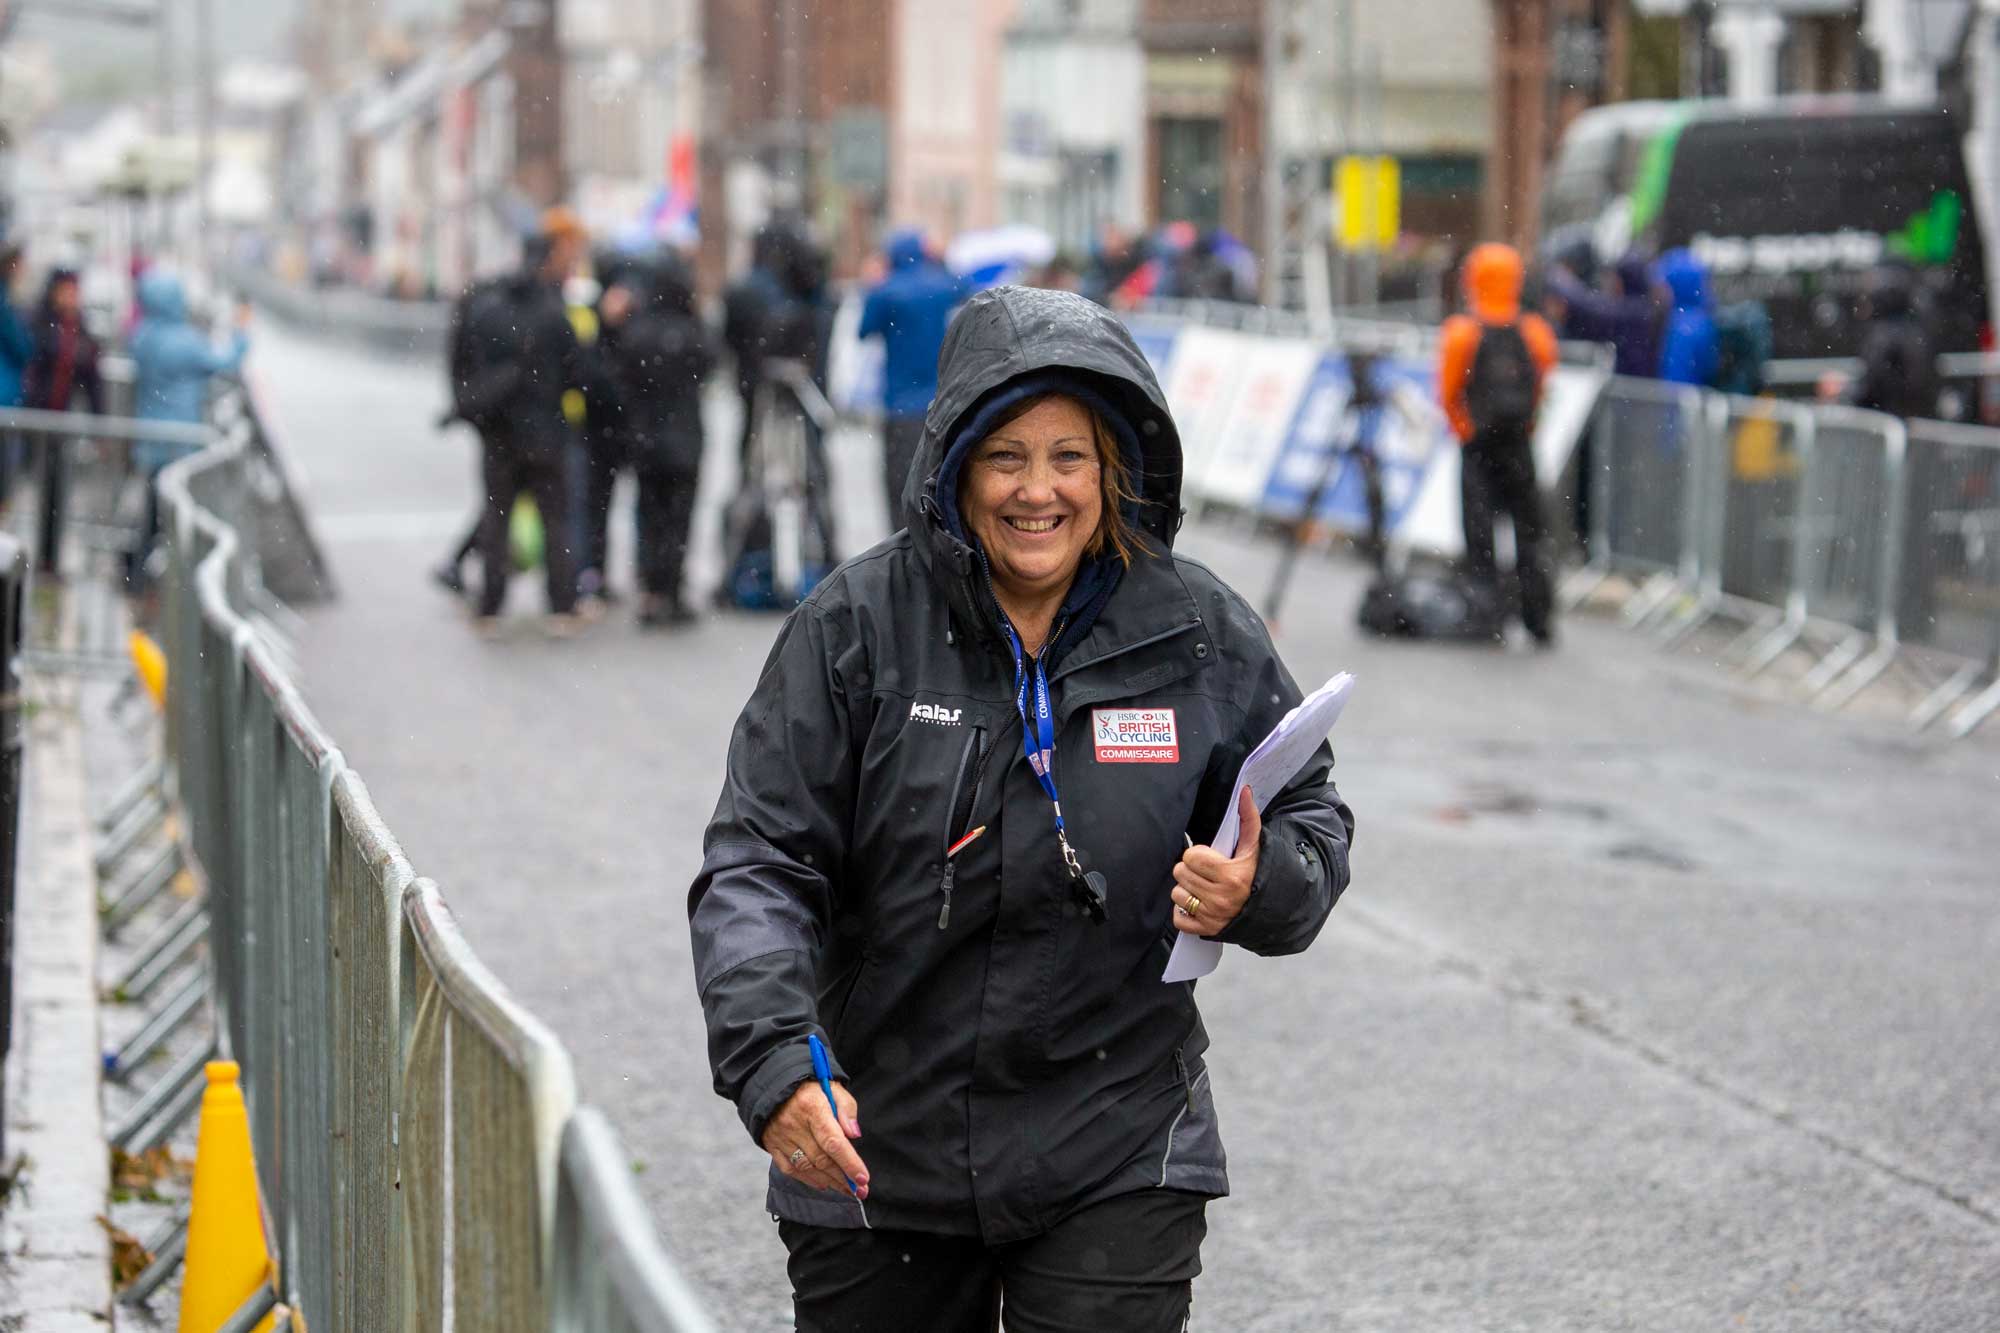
pixel 367 877
pixel 610 1274
pixel 1751 503
pixel 265 1016
pixel 1850 513
pixel 406 1114
pixel 1646 444
pixel 486 1090
pixel 308 765
pixel 1949 589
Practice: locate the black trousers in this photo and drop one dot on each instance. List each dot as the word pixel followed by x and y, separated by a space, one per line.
pixel 1126 1265
pixel 746 389
pixel 602 458
pixel 543 474
pixel 55 501
pixel 1497 476
pixel 901 436
pixel 664 518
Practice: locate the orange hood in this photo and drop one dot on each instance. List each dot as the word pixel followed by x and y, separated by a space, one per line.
pixel 1493 274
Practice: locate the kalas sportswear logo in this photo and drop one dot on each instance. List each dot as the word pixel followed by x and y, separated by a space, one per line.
pixel 944 717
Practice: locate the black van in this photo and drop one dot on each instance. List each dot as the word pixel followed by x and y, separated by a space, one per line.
pixel 1790 203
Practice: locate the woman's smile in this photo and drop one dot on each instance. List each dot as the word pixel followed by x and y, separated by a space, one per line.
pixel 1033 526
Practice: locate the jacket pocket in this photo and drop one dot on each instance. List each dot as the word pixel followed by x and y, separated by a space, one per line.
pixel 840 996
pixel 959 811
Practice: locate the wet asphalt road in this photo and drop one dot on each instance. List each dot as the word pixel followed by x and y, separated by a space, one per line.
pixel 1656 1003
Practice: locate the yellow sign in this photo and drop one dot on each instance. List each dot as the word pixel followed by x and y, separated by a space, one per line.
pixel 1368 202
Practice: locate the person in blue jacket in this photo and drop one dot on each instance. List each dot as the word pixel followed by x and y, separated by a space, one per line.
pixel 1690 350
pixel 172 363
pixel 909 310
pixel 17 345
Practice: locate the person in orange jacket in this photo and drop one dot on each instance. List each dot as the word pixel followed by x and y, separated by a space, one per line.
pixel 1491 368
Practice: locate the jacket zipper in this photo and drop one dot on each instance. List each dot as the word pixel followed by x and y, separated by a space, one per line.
pixel 1121 651
pixel 956 825
pixel 1180 1063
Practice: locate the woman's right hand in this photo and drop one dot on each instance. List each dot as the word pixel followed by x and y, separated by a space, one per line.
pixel 805 1124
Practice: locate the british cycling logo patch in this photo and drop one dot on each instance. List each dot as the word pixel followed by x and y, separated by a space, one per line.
pixel 1135 736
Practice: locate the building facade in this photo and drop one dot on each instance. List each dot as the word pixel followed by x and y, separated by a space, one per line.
pixel 1073 156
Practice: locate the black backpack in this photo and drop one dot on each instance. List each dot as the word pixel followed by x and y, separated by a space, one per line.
pixel 1424 605
pixel 1505 386
pixel 485 354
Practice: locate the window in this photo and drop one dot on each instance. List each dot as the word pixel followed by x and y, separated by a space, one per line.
pixel 1191 170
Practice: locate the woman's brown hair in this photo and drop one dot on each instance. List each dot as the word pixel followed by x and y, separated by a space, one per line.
pixel 1114 530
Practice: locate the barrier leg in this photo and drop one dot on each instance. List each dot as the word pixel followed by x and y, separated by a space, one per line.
pixel 1771 645
pixel 251 1313
pixel 1844 655
pixel 184 942
pixel 164 939
pixel 143 893
pixel 139 825
pixel 136 788
pixel 1839 693
pixel 1654 591
pixel 1939 700
pixel 184 1076
pixel 1975 712
pixel 167 1256
pixel 170 1119
pixel 1667 610
pixel 140 1046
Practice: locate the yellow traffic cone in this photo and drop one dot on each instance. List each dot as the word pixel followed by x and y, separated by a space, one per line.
pixel 151 664
pixel 227 1259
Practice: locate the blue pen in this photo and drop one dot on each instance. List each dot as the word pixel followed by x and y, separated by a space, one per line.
pixel 824 1073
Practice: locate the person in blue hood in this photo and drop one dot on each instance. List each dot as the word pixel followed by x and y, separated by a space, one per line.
pixel 1627 314
pixel 172 364
pixel 1690 352
pixel 16 346
pixel 909 310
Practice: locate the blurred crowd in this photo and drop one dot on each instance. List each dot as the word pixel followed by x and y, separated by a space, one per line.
pixel 51 360
pixel 579 368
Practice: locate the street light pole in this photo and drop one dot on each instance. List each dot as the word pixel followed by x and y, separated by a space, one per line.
pixel 205 126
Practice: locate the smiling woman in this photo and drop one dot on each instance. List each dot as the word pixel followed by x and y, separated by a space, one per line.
pixel 955 845
pixel 1046 489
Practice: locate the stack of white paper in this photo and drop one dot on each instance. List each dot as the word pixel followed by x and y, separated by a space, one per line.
pixel 1275 762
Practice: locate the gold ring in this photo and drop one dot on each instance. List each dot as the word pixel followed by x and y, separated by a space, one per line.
pixel 1193 904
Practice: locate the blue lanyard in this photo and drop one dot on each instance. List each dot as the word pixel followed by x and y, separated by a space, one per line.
pixel 1038 733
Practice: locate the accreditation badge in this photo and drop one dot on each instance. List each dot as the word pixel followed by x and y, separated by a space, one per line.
pixel 1135 736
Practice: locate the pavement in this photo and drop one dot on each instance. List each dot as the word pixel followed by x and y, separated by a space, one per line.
pixel 1657 1002
pixel 55 1255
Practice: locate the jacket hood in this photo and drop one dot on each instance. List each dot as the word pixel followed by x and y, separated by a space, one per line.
pixel 905 248
pixel 1686 280
pixel 1006 343
pixel 1892 292
pixel 161 296
pixel 1635 275
pixel 1493 276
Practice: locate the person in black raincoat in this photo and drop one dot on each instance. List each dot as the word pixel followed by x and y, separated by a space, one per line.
pixel 661 355
pixel 1023 1104
pixel 526 451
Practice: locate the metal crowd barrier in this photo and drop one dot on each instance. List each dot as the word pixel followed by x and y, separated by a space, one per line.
pixel 1948 597
pixel 1820 527
pixel 398 327
pixel 408 1118
pixel 1646 442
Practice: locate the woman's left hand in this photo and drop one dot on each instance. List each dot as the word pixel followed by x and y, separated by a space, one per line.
pixel 1210 888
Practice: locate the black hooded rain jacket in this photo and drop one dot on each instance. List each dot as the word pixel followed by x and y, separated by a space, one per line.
pixel 1013 1059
